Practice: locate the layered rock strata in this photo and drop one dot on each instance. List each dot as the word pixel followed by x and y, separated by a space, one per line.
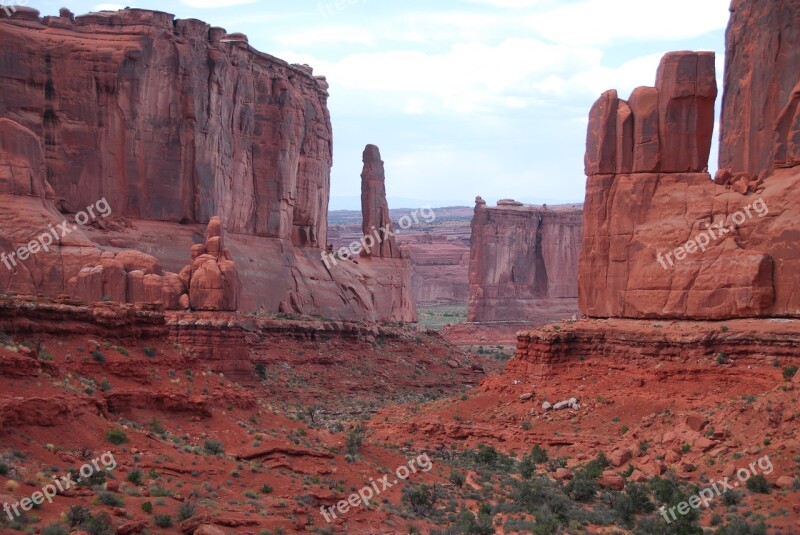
pixel 523 262
pixel 661 239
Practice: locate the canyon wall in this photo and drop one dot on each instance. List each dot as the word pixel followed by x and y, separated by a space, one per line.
pixel 173 122
pixel 661 239
pixel 760 125
pixel 523 262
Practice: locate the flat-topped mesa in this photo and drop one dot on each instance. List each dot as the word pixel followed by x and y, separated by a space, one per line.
pixel 523 262
pixel 375 208
pixel 666 128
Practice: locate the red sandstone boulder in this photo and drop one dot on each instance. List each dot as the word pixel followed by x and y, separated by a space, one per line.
pixel 611 480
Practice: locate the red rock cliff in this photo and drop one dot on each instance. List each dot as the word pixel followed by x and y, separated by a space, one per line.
pixel 523 262
pixel 661 239
pixel 760 125
pixel 171 120
pixel 174 121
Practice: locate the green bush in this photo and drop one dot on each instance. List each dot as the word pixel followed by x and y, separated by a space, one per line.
pixel 4 469
pixel 758 484
pixel 582 487
pixel 354 440
pixel 163 521
pixel 116 437
pixel 108 498
pixel 422 499
pixel 266 489
pixel 135 477
pixel 457 478
pixel 486 455
pixel 55 529
pixel 186 511
pixel 538 455
pixel 98 356
pixel 77 515
pixel 789 372
pixel 149 351
pixel 738 526
pixel 147 507
pixel 213 447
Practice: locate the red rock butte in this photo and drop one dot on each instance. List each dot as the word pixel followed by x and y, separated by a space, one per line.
pixel 173 122
pixel 649 194
pixel 523 262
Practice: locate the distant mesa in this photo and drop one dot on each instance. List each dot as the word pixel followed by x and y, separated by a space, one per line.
pixel 523 262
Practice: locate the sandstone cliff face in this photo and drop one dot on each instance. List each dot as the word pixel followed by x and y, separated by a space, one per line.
pixel 760 126
pixel 172 122
pixel 523 262
pixel 661 240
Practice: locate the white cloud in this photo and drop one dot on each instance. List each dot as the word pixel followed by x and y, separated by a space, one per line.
pixel 594 22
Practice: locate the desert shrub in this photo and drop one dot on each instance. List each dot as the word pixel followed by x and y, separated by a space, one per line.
pixel 4 469
pixel 538 455
pixel 149 351
pixel 457 478
pixel 98 356
pixel 354 440
pixel 99 524
pixel 108 498
pixel 486 455
pixel 55 529
pixel 261 370
pixel 266 489
pixel 116 437
pixel 160 492
pixel 758 484
pixel 731 498
pixel 163 521
pixel 213 447
pixel 77 515
pixel 147 507
pixel 135 477
pixel 582 488
pixel 739 526
pixel 422 499
pixel 186 511
pixel 789 372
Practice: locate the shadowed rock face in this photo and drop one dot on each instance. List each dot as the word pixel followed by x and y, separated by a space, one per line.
pixel 642 255
pixel 173 122
pixel 523 262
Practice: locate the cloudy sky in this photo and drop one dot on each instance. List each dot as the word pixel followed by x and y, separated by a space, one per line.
pixel 464 97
